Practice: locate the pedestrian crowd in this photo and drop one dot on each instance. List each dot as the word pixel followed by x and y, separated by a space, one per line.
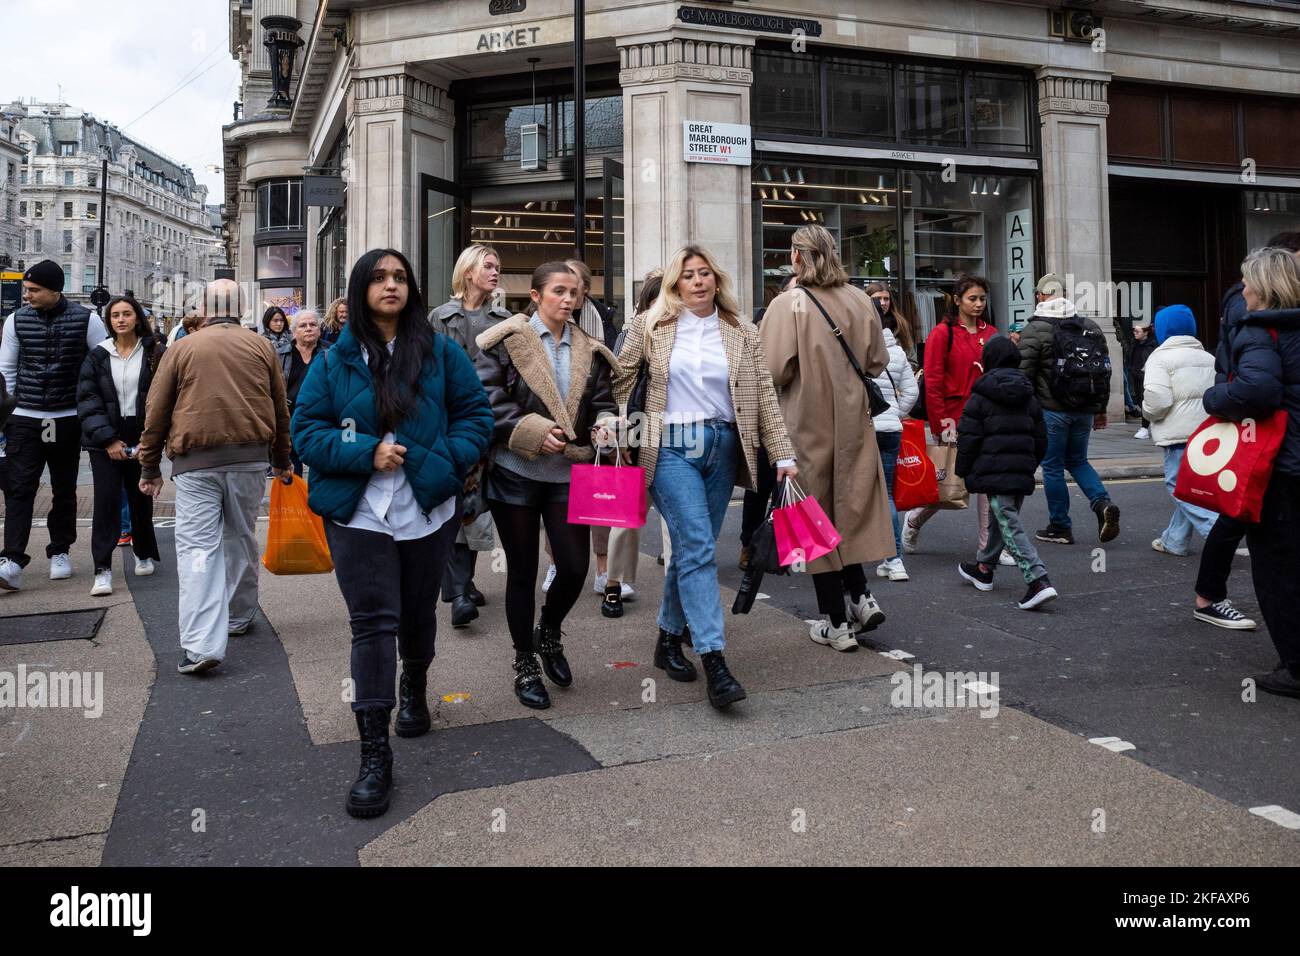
pixel 427 435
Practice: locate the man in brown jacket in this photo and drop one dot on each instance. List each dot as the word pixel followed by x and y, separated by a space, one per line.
pixel 218 404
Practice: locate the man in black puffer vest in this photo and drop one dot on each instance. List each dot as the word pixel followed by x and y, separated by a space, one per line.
pixel 1001 439
pixel 41 353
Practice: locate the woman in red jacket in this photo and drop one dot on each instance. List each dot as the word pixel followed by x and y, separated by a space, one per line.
pixel 953 353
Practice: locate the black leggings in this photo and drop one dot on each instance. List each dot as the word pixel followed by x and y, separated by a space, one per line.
pixel 520 527
pixel 830 587
pixel 1216 558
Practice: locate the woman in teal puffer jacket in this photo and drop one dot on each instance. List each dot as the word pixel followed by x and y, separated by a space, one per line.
pixel 390 422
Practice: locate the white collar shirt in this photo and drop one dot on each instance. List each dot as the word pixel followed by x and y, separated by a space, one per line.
pixel 698 375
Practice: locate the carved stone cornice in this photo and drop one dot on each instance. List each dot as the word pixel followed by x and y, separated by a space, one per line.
pixel 1065 92
pixel 402 92
pixel 659 61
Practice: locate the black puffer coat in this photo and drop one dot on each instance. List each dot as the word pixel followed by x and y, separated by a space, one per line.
pixel 1001 437
pixel 97 400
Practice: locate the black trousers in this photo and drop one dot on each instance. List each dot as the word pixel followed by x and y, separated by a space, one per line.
pixel 1216 558
pixel 110 477
pixel 519 527
pixel 32 447
pixel 754 510
pixel 460 572
pixel 1274 560
pixel 831 586
pixel 391 608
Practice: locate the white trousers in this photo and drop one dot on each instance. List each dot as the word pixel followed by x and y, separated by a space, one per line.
pixel 216 556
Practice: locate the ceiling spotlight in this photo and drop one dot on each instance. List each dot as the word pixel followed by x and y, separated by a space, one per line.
pixel 497 221
pixel 997 188
pixel 767 174
pixel 984 190
pixel 785 174
pixel 798 175
pixel 530 204
pixel 862 198
pixel 788 194
pixel 974 186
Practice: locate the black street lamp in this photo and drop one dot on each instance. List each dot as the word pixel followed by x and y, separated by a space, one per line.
pixel 99 297
pixel 282 42
pixel 579 131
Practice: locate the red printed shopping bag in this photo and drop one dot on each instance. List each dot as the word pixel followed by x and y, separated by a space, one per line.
pixel 803 532
pixel 1227 465
pixel 915 484
pixel 613 496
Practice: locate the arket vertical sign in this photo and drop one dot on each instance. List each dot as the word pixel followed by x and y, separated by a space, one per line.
pixel 725 143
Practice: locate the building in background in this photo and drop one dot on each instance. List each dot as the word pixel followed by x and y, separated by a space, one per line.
pixel 159 231
pixel 1148 144
pixel 11 160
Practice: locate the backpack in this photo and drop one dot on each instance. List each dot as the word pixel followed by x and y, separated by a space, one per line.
pixel 1079 377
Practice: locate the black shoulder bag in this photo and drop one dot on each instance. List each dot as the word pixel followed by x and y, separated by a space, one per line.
pixel 875 397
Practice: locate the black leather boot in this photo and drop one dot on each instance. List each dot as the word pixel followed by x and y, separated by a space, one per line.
pixel 546 639
pixel 724 689
pixel 369 795
pixel 475 595
pixel 413 718
pixel 669 657
pixel 528 683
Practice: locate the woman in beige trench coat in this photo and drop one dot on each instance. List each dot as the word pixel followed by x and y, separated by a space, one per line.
pixel 828 416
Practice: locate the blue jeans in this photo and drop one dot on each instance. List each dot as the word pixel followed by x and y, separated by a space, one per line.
pixel 1067 448
pixel 1178 536
pixel 126 514
pixel 889 444
pixel 694 475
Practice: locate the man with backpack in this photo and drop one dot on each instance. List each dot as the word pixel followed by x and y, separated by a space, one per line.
pixel 1065 355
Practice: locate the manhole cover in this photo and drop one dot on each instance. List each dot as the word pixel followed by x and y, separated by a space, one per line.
pixel 40 628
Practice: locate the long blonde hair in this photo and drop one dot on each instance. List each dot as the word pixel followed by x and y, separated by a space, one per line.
pixel 669 305
pixel 467 266
pixel 1274 275
pixel 819 259
pixel 331 320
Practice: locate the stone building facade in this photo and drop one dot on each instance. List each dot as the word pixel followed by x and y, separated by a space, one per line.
pixel 1137 148
pixel 11 160
pixel 159 231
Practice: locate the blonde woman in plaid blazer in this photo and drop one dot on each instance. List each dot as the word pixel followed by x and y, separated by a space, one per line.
pixel 710 404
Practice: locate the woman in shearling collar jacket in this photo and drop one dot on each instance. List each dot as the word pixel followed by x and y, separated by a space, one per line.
pixel 550 388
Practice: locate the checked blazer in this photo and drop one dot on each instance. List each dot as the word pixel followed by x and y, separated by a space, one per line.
pixel 758 413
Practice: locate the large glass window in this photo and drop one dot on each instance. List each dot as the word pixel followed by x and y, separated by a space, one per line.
pixel 933 106
pixel 999 111
pixel 279 205
pixel 603 124
pixel 861 99
pixel 1268 213
pixel 279 262
pixel 787 92
pixel 494 130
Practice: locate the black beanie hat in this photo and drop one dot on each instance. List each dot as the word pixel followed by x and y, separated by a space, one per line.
pixel 47 274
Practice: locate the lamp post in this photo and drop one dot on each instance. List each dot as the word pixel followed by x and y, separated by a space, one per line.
pixel 99 297
pixel 579 131
pixel 282 43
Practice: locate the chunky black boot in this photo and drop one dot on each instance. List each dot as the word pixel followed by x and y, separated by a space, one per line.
pixel 413 718
pixel 724 689
pixel 669 657
pixel 528 683
pixel 475 595
pixel 369 795
pixel 546 639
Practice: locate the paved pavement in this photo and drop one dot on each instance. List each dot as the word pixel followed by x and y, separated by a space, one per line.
pixel 250 765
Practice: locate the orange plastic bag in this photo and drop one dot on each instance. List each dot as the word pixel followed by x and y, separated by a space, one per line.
pixel 295 541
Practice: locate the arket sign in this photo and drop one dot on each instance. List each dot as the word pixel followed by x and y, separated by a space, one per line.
pixel 494 40
pixel 726 143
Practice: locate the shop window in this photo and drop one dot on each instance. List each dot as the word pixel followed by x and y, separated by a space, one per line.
pixel 494 130
pixel 1272 133
pixel 287 298
pixel 860 99
pixel 1268 213
pixel 1204 129
pixel 787 92
pixel 934 111
pixel 999 112
pixel 603 124
pixel 279 205
pixel 279 262
pixel 1133 127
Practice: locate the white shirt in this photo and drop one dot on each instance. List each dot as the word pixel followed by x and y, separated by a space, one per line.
pixel 9 363
pixel 126 375
pixel 389 506
pixel 698 376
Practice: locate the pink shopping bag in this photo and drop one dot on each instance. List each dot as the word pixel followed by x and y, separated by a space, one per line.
pixel 613 496
pixel 803 532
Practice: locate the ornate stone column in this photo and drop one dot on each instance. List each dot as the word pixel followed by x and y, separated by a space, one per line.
pixel 1072 109
pixel 400 127
pixel 668 78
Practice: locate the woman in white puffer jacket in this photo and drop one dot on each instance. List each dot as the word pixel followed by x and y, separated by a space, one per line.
pixel 898 384
pixel 1177 375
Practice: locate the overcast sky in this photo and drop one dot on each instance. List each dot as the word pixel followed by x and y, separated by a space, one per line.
pixel 122 58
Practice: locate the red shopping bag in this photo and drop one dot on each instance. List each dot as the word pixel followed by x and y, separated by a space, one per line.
pixel 803 532
pixel 295 537
pixel 612 496
pixel 1227 465
pixel 915 482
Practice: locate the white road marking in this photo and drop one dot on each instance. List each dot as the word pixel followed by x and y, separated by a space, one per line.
pixel 896 655
pixel 1279 815
pixel 1113 744
pixel 980 687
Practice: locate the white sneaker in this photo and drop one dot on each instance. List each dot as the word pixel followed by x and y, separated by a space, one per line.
pixel 910 535
pixel 892 569
pixel 629 592
pixel 1242 552
pixel 11 575
pixel 1143 434
pixel 60 567
pixel 598 584
pixel 550 577
pixel 103 584
pixel 1006 559
pixel 840 638
pixel 143 567
pixel 866 615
